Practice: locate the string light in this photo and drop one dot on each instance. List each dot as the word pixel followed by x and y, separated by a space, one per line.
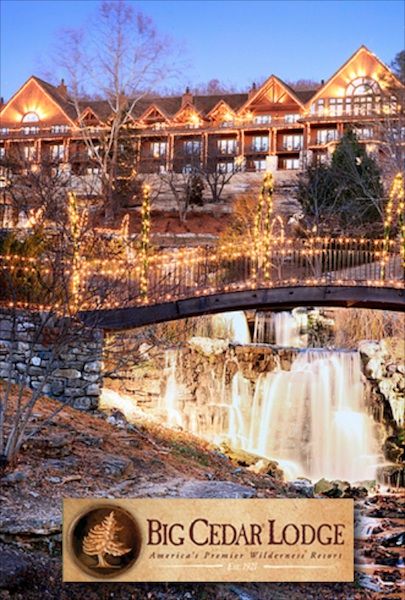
pixel 145 242
pixel 262 227
pixel 180 272
pixel 394 219
pixel 77 223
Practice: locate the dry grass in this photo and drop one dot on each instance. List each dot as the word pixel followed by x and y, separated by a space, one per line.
pixel 364 324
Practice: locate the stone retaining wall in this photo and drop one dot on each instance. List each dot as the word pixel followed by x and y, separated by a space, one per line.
pixel 60 359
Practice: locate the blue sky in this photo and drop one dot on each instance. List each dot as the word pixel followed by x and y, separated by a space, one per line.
pixel 234 41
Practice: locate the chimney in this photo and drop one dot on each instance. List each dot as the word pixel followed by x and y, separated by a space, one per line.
pixel 252 90
pixel 187 97
pixel 322 82
pixel 62 89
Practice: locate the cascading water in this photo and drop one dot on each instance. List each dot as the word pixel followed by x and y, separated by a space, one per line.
pixel 231 326
pixel 311 419
pixel 280 328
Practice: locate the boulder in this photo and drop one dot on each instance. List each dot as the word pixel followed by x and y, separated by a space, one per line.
pixel 303 486
pixel 207 346
pixel 114 466
pixel 215 489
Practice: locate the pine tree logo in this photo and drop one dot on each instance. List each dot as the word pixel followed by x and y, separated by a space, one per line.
pixel 103 539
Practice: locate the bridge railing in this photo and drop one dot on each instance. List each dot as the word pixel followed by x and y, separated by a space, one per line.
pixel 182 273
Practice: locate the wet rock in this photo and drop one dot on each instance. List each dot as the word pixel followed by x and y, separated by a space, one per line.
pixel 397 539
pixel 392 451
pixel 375 369
pixel 267 467
pixel 302 486
pixel 207 346
pixel 369 583
pixel 371 349
pixel 241 457
pixel 392 475
pixel 215 489
pixel 355 492
pixel 332 489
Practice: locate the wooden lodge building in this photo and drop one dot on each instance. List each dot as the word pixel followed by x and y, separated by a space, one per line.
pixel 273 127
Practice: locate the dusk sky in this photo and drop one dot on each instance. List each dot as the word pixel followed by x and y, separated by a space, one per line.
pixel 236 42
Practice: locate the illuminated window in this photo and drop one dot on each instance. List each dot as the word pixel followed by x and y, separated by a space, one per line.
pixel 225 167
pixel 323 136
pixel 335 107
pixel 28 152
pixel 262 119
pixel 362 86
pixel 59 128
pixel 364 133
pixel 291 118
pixel 57 152
pixel 260 165
pixel 290 164
pixel 226 146
pixel 292 142
pixel 30 130
pixel 30 117
pixel 158 149
pixel 192 147
pixel 260 143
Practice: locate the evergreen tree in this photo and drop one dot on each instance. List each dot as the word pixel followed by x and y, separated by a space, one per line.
pixel 398 65
pixel 345 195
pixel 357 183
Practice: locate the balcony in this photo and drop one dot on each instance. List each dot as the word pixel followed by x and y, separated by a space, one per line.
pixel 257 149
pixel 228 151
pixel 41 133
pixel 289 147
pixel 149 155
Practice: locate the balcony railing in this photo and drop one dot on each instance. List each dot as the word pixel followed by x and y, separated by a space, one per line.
pixel 289 147
pixel 257 149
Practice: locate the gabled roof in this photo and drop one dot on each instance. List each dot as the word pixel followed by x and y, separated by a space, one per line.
pixel 66 105
pixel 305 95
pixel 222 104
pixel 101 108
pixel 53 97
pixel 153 108
pixel 270 81
pixel 352 59
pixel 191 108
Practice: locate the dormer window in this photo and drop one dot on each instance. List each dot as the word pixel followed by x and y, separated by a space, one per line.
pixel 30 117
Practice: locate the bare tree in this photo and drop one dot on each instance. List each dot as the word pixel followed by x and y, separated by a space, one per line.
pixel 217 175
pixel 121 57
pixel 36 190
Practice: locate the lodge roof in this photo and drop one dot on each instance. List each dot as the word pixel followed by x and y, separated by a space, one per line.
pixel 65 104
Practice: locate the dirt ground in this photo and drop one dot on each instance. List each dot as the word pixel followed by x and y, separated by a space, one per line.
pixel 84 455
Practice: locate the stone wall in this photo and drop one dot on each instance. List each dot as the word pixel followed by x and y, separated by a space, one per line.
pixel 60 359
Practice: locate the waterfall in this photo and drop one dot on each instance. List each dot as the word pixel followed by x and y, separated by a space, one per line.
pixel 231 326
pixel 315 417
pixel 170 400
pixel 280 328
pixel 311 419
